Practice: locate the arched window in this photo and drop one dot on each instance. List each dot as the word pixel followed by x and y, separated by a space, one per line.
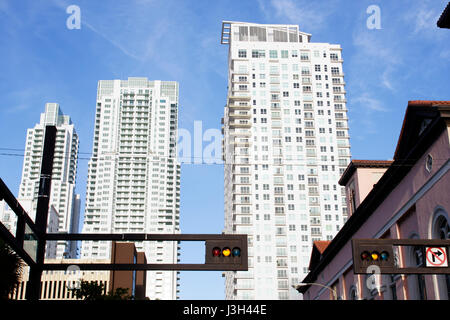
pixel 420 263
pixel 416 282
pixel 353 294
pixel 441 230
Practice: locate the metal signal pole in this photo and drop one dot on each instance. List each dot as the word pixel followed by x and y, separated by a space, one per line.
pixel 34 282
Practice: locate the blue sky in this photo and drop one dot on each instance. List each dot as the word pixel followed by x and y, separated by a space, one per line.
pixel 41 61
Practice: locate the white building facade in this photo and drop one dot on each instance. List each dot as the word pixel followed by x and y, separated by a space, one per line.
pixel 63 198
pixel 285 145
pixel 133 183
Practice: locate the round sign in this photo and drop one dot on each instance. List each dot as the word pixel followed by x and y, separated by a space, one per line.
pixel 436 257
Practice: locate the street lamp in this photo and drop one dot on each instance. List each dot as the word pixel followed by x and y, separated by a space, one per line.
pixel 333 291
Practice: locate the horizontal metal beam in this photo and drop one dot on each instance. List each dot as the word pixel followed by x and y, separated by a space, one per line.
pixel 157 266
pixel 140 237
pixel 403 242
pixel 362 267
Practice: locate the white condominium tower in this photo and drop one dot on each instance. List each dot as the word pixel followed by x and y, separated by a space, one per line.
pixel 62 194
pixel 133 183
pixel 285 146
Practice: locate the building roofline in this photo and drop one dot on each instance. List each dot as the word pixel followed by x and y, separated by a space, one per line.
pixel 444 19
pixel 226 28
pixel 419 110
pixel 260 24
pixel 388 182
pixel 351 168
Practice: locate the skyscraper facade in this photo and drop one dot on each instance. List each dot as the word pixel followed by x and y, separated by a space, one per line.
pixel 285 146
pixel 62 196
pixel 133 183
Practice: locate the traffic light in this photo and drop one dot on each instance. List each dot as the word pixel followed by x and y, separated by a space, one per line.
pixel 226 252
pixel 230 254
pixel 375 256
pixel 368 253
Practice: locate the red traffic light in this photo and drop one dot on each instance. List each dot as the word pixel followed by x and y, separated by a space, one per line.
pixel 365 255
pixel 216 252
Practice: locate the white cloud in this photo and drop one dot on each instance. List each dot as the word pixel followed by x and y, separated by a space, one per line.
pixel 423 18
pixel 111 41
pixel 365 101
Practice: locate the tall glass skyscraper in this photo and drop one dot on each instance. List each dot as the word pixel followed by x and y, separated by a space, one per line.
pixel 133 183
pixel 285 145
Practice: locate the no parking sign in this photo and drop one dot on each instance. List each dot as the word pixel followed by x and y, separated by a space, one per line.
pixel 436 257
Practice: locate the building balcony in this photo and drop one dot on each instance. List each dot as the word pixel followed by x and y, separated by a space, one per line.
pixel 239 81
pixel 232 106
pixel 340 108
pixel 239 132
pixel 239 95
pixel 341 117
pixel 341 82
pixel 240 143
pixel 240 124
pixel 239 115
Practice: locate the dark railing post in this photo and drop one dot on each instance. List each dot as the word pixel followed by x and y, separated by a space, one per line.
pixel 34 281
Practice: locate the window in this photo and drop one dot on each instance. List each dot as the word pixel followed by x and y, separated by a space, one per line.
pixel 284 54
pixel 334 70
pixel 273 54
pixel 353 295
pixel 242 53
pixel 304 56
pixel 258 53
pixel 429 163
pixel 441 230
pixel 305 71
pixel 419 259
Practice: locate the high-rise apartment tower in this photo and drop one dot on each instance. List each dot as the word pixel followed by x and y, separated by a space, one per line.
pixel 285 146
pixel 62 194
pixel 133 183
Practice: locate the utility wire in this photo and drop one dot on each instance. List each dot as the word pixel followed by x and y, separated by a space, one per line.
pixel 208 161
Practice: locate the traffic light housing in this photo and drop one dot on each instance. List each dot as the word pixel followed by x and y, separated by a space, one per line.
pixel 229 254
pixel 369 252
